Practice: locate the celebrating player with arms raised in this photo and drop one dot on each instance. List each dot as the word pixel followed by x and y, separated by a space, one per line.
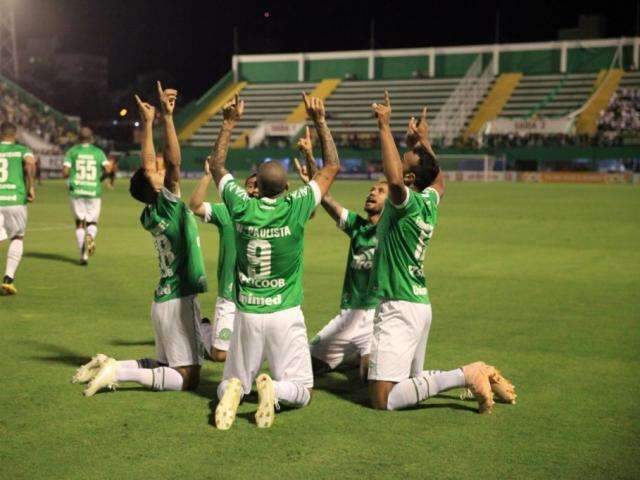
pixel 175 312
pixel 17 171
pixel 270 243
pixel 84 165
pixel 403 318
pixel 346 339
pixel 218 336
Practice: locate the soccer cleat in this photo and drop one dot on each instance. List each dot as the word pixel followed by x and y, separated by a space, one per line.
pixel 106 377
pixel 90 244
pixel 228 405
pixel 266 414
pixel 9 289
pixel 87 371
pixel 501 387
pixel 476 376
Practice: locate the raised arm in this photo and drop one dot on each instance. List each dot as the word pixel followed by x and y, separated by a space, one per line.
pixel 333 208
pixel 199 195
pixel 173 157
pixel 231 113
pixel 391 163
pixel 330 160
pixel 148 152
pixel 418 137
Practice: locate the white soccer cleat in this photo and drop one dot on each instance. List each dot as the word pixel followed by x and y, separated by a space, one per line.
pixel 266 414
pixel 87 371
pixel 106 377
pixel 228 404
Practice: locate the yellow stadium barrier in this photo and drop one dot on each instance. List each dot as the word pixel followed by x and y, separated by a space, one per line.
pixel 494 102
pixel 606 84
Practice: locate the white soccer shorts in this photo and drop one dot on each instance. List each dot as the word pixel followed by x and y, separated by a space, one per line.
pixel 400 333
pixel 280 337
pixel 86 209
pixel 223 323
pixel 176 323
pixel 346 335
pixel 13 221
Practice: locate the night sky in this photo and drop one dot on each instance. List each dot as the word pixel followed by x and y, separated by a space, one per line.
pixel 193 41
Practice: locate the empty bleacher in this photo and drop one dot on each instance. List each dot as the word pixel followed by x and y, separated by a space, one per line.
pixel 264 101
pixel 349 106
pixel 549 95
pixel 630 80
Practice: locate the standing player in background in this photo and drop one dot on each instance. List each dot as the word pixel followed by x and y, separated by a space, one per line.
pixel 401 326
pixel 175 312
pixel 270 245
pixel 217 337
pixel 84 165
pixel 346 339
pixel 17 171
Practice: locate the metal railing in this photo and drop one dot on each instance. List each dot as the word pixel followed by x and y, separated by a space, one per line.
pixel 452 117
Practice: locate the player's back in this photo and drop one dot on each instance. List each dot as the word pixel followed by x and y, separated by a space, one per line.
pixel 403 235
pixel 270 246
pixel 175 235
pixel 12 185
pixel 85 162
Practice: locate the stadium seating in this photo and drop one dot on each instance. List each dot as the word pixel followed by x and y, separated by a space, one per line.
pixel 549 95
pixel 630 80
pixel 350 105
pixel 266 101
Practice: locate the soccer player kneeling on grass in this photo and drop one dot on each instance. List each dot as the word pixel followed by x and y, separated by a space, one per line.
pixel 270 242
pixel 345 341
pixel 175 312
pixel 17 170
pixel 217 337
pixel 84 166
pixel 403 318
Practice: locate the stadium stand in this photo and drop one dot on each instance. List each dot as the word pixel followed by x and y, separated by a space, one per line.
pixel 42 127
pixel 268 101
pixel 549 95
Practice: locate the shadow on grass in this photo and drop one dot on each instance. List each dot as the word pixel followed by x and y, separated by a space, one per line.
pixel 118 342
pixel 56 257
pixel 57 354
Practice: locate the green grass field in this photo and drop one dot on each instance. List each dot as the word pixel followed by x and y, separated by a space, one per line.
pixel 541 280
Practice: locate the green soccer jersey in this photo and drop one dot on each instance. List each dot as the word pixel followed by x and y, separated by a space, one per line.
pixel 270 245
pixel 403 236
pixel 218 215
pixel 85 162
pixel 355 288
pixel 175 234
pixel 13 190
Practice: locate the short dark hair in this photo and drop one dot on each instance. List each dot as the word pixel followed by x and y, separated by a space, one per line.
pixel 140 188
pixel 7 128
pixel 427 168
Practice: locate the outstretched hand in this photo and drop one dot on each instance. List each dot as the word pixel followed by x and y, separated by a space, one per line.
pixel 382 111
pixel 233 110
pixel 302 170
pixel 304 143
pixel 207 168
pixel 167 98
pixel 314 107
pixel 418 131
pixel 147 111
